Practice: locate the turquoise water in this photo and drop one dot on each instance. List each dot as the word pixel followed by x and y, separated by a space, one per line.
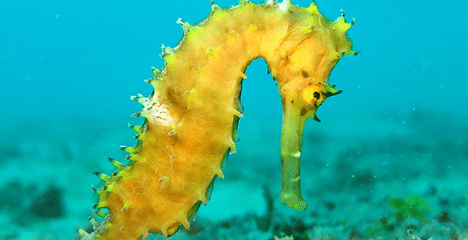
pixel 67 69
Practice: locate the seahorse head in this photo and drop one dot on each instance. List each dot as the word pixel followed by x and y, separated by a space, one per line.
pixel 311 50
pixel 313 96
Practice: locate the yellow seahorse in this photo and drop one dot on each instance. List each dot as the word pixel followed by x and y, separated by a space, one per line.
pixel 191 117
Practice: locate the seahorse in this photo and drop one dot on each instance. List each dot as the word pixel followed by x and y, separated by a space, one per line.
pixel 192 115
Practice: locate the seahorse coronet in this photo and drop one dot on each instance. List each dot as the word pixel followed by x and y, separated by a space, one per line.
pixel 190 119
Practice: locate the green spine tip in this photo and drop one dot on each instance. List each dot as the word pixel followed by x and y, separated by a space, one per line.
pixel 316 118
pixel 101 204
pixel 98 192
pixel 330 91
pixel 116 163
pixel 101 213
pixel 313 8
pixel 156 72
pixel 130 150
pixel 82 232
pixel 110 188
pixel 102 176
pixel 137 129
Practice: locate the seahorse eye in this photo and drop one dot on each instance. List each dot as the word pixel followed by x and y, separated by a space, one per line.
pixel 312 94
pixel 316 95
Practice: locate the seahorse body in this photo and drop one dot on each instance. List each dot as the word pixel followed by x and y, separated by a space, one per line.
pixel 191 117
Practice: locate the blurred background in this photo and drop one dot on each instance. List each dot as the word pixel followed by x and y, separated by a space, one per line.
pixel 397 132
